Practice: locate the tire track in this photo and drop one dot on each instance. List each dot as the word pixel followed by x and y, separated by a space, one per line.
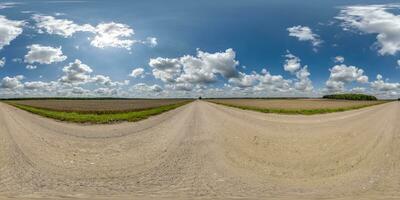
pixel 204 150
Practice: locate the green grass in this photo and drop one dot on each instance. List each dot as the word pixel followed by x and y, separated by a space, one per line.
pixel 98 118
pixel 299 111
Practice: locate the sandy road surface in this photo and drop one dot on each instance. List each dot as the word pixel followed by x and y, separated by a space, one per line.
pixel 204 150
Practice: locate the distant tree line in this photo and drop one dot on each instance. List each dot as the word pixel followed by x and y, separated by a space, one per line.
pixel 362 97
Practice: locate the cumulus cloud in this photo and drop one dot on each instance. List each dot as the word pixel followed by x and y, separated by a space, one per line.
pixel 338 59
pixel 2 62
pixel 79 91
pixel 292 63
pixel 76 73
pixel 374 19
pixel 137 72
pixel 142 87
pixel 106 81
pixel 113 35
pixel 380 85
pixel 109 34
pixel 62 27
pixel 40 85
pixel 342 75
pixel 188 71
pixel 9 30
pixel 196 74
pixel 304 33
pixel 44 54
pixel 11 82
pixel 245 80
pixel 166 69
pixel 266 82
pixel 358 90
pixel 106 91
pixel 303 83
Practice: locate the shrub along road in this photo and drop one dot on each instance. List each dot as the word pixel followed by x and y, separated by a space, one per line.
pixel 204 150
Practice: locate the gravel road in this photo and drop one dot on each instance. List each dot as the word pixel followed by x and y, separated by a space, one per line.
pixel 204 151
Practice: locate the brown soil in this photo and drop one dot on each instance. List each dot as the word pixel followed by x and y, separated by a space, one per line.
pixel 294 104
pixel 204 151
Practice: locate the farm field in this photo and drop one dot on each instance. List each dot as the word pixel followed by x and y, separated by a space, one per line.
pixel 98 111
pixel 98 106
pixel 296 106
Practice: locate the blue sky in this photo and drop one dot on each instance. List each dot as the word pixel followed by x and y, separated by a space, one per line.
pixel 189 48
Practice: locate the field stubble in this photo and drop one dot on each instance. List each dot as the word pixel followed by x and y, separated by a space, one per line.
pixel 296 106
pixel 98 106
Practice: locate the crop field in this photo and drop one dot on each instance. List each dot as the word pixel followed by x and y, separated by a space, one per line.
pixel 98 106
pixel 95 111
pixel 296 106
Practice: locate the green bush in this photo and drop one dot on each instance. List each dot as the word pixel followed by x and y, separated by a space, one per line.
pixel 359 97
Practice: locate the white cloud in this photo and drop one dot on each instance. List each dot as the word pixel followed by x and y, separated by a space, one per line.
pixel 142 87
pixel 62 27
pixel 151 41
pixel 5 5
pixel 380 85
pixel 166 69
pixel 374 19
pixel 113 35
pixel 44 54
pixel 358 90
pixel 245 80
pixel 11 82
pixel 342 75
pixel 2 62
pixel 137 72
pixel 79 91
pixel 265 82
pixel 109 34
pixel 273 83
pixel 17 60
pixel 292 63
pixel 188 71
pixel 339 59
pixel 76 73
pixel 106 91
pixel 31 67
pixel 303 83
pixel 40 85
pixel 9 30
pixel 106 81
pixel 304 33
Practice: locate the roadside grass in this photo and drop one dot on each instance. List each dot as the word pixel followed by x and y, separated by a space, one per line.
pixel 299 111
pixel 99 118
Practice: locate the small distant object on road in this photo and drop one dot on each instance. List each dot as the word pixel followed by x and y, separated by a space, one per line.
pixel 200 98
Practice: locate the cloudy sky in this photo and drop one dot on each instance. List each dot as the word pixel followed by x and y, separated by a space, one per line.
pixel 181 48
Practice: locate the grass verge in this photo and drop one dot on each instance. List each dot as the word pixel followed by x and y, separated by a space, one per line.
pixel 299 111
pixel 98 118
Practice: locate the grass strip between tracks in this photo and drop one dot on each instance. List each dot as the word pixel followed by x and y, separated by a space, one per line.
pixel 99 118
pixel 299 111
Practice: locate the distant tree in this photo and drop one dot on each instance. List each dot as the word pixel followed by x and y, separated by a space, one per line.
pixel 358 97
